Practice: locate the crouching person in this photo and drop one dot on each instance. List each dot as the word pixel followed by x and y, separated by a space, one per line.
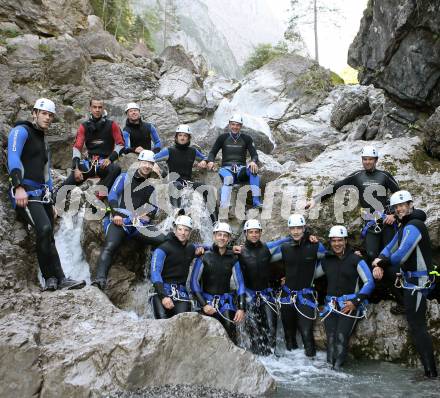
pixel 211 280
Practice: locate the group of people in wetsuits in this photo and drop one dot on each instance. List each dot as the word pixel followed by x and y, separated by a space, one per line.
pixel 396 240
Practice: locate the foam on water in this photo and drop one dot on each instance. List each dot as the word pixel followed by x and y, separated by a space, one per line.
pixel 68 243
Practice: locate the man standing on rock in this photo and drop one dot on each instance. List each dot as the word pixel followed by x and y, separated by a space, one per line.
pixel 373 186
pixel 170 269
pixel 409 255
pixel 298 303
pixel 129 220
pixel 31 186
pixel 211 282
pixel 235 146
pixel 137 133
pixel 255 258
pixel 345 270
pixel 103 140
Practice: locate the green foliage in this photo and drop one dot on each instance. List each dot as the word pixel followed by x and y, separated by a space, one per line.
pixel 9 33
pixel 46 51
pixel 119 20
pixel 263 54
pixel 317 81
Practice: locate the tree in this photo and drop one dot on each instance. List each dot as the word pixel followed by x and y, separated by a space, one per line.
pixel 263 54
pixel 308 12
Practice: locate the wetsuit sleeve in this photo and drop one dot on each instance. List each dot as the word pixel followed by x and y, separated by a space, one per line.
pixel 119 142
pixel 16 140
pixel 78 146
pixel 162 156
pixel 116 190
pixel 47 173
pixel 275 248
pixel 392 184
pixel 252 150
pixel 319 270
pixel 367 278
pixel 321 251
pixel 216 147
pixel 200 156
pixel 157 263
pixel 331 190
pixel 157 145
pixel 127 142
pixel 196 275
pixel 411 237
pixel 239 282
pixel 390 248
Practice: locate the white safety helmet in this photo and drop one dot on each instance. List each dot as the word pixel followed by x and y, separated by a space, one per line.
pixel 147 156
pixel 338 231
pixel 222 227
pixel 252 224
pixel 369 151
pixel 132 105
pixel 183 128
pixel 184 220
pixel 296 220
pixel 400 197
pixel 237 118
pixel 44 104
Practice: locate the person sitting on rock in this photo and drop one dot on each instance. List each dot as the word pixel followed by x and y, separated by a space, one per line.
pixel 234 146
pixel 211 279
pixel 130 219
pixel 409 255
pixel 31 186
pixel 344 301
pixel 373 186
pixel 180 160
pixel 137 133
pixel 103 140
pixel 170 269
pixel 300 257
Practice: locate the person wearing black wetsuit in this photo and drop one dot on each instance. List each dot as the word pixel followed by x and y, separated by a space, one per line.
pixel 380 225
pixel 298 305
pixel 169 271
pixel 129 220
pixel 345 299
pixel 180 160
pixel 139 135
pixel 103 140
pixel 211 280
pixel 235 146
pixel 255 258
pixel 410 255
pixel 31 186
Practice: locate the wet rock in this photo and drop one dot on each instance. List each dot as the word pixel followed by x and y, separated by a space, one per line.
pixel 48 18
pixel 354 103
pixel 397 49
pixel 217 88
pixel 175 56
pixel 431 138
pixel 86 346
pixel 99 43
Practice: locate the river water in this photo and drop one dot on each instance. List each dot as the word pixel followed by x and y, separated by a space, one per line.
pixel 298 376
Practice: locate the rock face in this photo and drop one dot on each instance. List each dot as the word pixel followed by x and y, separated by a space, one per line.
pixel 77 343
pixel 431 134
pixel 397 49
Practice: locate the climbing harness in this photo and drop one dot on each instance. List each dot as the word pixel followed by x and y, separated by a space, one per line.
pixel 41 190
pixel 403 276
pixel 333 302
pixel 294 296
pixel 267 296
pixel 221 303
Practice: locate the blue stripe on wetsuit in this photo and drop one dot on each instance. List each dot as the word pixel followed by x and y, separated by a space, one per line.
pixel 196 275
pixel 367 278
pixel 239 280
pixel 157 263
pixel 16 140
pixel 162 156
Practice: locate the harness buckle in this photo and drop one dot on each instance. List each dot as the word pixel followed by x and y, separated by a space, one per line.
pixel 257 298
